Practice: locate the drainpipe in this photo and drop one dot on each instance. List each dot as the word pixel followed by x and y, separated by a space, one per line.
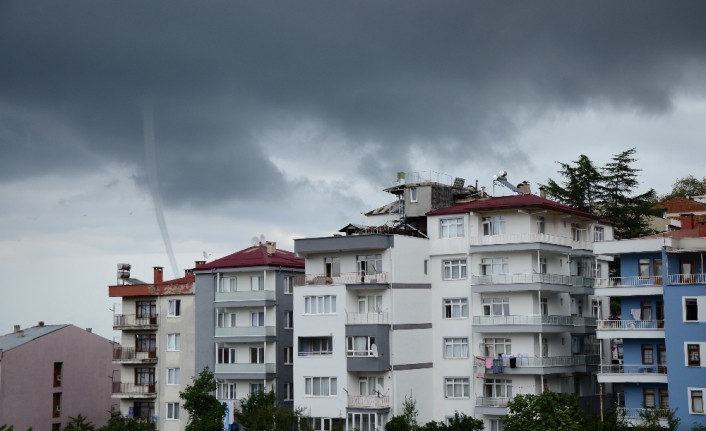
pixel 392 338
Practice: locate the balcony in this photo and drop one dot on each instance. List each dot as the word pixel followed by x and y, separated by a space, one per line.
pixel 128 355
pixel 367 318
pixel 639 373
pixel 134 322
pixel 246 368
pixel 524 282
pixel 491 405
pixel 579 242
pixel 246 331
pixel 368 401
pixel 630 329
pixel 634 415
pixel 131 390
pixel 630 286
pixel 676 279
pixel 548 365
pixel 530 323
pixel 246 295
pixel 352 280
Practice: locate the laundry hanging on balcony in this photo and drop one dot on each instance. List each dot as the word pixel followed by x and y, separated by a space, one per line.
pixel 636 313
pixel 480 367
pixel 497 366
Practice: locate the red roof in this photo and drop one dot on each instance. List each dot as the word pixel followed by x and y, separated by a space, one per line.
pixel 517 201
pixel 256 256
pixel 680 205
pixel 188 278
pixel 681 233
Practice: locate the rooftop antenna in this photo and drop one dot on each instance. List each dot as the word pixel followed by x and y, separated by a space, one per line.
pixel 255 241
pixel 262 238
pixel 206 255
pixel 501 179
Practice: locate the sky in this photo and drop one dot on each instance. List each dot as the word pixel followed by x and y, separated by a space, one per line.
pixel 288 119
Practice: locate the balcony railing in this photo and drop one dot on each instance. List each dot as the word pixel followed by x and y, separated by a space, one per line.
pixel 534 320
pixel 245 368
pixel 368 401
pixel 686 279
pixel 491 402
pixel 132 320
pixel 133 389
pixel 633 369
pixel 367 318
pixel 341 278
pixel 585 321
pixel 629 281
pixel 567 280
pixel 554 361
pixel 518 238
pixel 246 295
pixel 246 331
pixel 130 353
pixel 635 412
pixel 630 325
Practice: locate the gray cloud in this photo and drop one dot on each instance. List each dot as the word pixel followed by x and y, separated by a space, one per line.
pixel 456 78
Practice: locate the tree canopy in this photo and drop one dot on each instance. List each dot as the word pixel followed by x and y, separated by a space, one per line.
pixel 549 411
pixel 686 187
pixel 205 411
pixel 260 411
pixel 117 423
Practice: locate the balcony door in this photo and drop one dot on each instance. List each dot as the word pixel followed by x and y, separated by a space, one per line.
pixel 146 310
pixel 664 399
pixel 646 310
pixel 660 314
pixel 371 385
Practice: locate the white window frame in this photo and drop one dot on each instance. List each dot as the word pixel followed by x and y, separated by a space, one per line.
pixel 256 387
pixel 497 344
pixel 232 355
pixel 329 352
pixel 450 348
pixel 598 233
pixel 257 317
pixel 452 382
pixel 288 319
pixel 541 225
pixel 495 266
pixel 369 303
pixel 702 350
pixel 413 194
pixel 288 284
pixel 460 304
pixel 689 400
pixel 174 308
pixel 259 355
pixel 332 385
pixel 495 424
pixel 364 385
pixel 289 392
pixel 260 285
pixel 700 301
pixel 495 384
pixel 494 225
pixel 289 356
pixel 173 376
pixel 451 228
pixel 351 350
pixel 172 411
pixel 173 342
pixel 491 306
pixel 226 391
pixel 460 265
pixel 313 303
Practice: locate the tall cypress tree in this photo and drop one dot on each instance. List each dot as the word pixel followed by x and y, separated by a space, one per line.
pixel 581 187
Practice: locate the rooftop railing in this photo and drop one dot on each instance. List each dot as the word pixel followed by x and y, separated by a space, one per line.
pixel 340 278
pixel 491 401
pixel 368 401
pixel 633 369
pixel 567 280
pixel 635 281
pixel 686 279
pixel 581 242
pixel 367 318
pixel 630 325
pixel 133 320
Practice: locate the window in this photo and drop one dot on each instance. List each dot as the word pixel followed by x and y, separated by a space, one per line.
pixel 332 266
pixel 456 308
pixel 657 270
pixel 56 427
pixel 543 265
pixel 497 346
pixel 144 376
pixel 426 265
pixel 256 387
pixel 227 285
pixel 225 320
pixel 231 319
pixel 233 284
pixel 369 385
pixel 544 306
pixel 691 308
pixel 647 354
pixel 173 376
pixel 693 354
pixel 369 264
pixel 540 224
pixel 360 346
pixel 363 421
pixel 257 283
pixel 696 398
pixel 288 320
pixel 143 409
pixel 496 424
pixel 146 309
pixel 413 194
pixel 457 387
pixel 315 346
pixel 495 266
pixel 288 391
pixel 664 399
pixel 456 347
pixel 173 411
pixel 173 342
pixel 545 348
pixel 320 386
pixel 370 304
pixel 454 269
pixel 648 397
pixel 146 343
pixel 58 367
pixel 226 391
pixel 226 355
pixel 56 405
pixel 257 318
pixel 498 388
pixel 494 225
pixel 575 232
pixel 174 308
pixel 288 356
pixel 257 355
pixel 596 305
pixel 661 354
pixel 452 228
pixel 288 284
pixel 320 304
pixel 496 306
pixel 598 233
pixel 646 310
pixel 644 268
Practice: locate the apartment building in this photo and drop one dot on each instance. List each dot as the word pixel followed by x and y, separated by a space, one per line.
pixel 51 372
pixel 156 355
pixel 244 322
pixel 663 327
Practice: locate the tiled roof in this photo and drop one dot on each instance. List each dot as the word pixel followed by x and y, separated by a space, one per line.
pixel 11 340
pixel 517 201
pixel 681 233
pixel 680 205
pixel 385 209
pixel 256 256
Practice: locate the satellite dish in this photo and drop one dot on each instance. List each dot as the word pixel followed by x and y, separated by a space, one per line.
pixel 262 238
pixel 206 255
pixel 255 241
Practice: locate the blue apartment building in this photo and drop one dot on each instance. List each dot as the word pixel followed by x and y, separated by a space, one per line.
pixel 662 288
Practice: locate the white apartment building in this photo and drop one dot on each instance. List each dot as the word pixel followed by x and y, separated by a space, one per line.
pixel 156 350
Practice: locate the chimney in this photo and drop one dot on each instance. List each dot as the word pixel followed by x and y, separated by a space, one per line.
pixel 702 229
pixel 524 187
pixel 271 247
pixel 20 334
pixel 158 274
pixel 89 329
pixel 198 263
pixel 188 271
pixel 41 323
pixel 687 221
pixel 17 328
pixel 542 192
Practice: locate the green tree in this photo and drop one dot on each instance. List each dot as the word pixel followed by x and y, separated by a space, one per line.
pixel 79 423
pixel 260 411
pixel 11 428
pixel 205 411
pixel 689 186
pixel 461 422
pixel 548 411
pixel 650 420
pixel 407 421
pixel 698 427
pixel 581 186
pixel 117 423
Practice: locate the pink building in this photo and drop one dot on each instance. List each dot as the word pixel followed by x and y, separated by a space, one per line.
pixel 48 373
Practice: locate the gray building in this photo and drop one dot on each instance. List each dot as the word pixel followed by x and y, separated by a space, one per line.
pixel 244 322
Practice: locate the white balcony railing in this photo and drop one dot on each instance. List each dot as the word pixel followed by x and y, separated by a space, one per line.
pixel 340 278
pixel 553 361
pixel 368 401
pixel 686 279
pixel 519 238
pixel 635 281
pixel 246 295
pixel 631 325
pixel 367 318
pixel 535 320
pixel 245 368
pixel 633 369
pixel 246 331
pixel 491 402
pixel 567 280
pixel 636 412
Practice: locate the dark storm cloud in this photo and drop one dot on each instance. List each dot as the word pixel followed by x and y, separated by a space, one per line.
pixel 451 76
